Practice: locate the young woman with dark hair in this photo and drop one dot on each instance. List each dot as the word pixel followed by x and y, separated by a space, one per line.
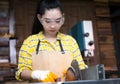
pixel 46 37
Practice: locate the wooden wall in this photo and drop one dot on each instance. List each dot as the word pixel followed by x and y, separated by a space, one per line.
pixel 74 11
pixel 105 35
pixel 78 11
pixel 23 12
pixel 4 29
pixel 6 72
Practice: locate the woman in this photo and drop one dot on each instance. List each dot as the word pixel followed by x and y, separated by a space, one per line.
pixel 46 37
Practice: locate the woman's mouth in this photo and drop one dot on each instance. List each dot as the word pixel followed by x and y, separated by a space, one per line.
pixel 52 30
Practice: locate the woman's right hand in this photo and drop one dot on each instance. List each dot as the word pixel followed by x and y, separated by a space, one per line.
pixel 44 76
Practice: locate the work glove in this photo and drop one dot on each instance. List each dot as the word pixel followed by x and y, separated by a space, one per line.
pixel 44 76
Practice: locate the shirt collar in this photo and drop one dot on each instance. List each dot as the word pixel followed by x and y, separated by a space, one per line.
pixel 42 37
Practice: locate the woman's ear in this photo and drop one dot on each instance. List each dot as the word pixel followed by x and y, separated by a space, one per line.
pixel 39 17
pixel 63 19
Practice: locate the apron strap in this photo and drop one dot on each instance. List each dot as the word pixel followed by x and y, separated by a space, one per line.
pixel 37 49
pixel 62 50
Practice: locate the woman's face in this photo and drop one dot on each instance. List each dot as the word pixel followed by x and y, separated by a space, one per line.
pixel 52 21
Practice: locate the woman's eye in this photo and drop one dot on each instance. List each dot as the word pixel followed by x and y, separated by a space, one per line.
pixel 47 21
pixel 57 21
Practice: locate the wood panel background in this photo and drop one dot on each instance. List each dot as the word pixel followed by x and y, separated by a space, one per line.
pixel 75 11
pixel 4 29
pixel 105 36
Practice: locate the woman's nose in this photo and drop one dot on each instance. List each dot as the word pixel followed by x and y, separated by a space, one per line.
pixel 52 26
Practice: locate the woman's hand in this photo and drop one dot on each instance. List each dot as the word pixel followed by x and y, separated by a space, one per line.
pixel 44 76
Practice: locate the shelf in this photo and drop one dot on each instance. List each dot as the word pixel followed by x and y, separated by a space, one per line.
pixel 7 70
pixel 4 42
pixel 3 30
pixel 4 66
pixel 4 22
pixel 111 72
pixel 8 65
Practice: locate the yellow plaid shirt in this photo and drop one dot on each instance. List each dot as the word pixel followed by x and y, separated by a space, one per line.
pixel 30 44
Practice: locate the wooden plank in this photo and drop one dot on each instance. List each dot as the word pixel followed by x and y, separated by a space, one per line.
pixel 105 47
pixel 4 21
pixel 4 42
pixel 4 65
pixel 102 11
pixel 4 30
pixel 104 31
pixel 108 54
pixel 103 23
pixel 109 62
pixel 4 57
pixel 115 1
pixel 106 39
pixel 106 1
pixel 100 4
pixel 4 51
pixel 1 79
pixel 4 4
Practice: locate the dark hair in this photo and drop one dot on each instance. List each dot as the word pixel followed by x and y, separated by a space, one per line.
pixel 41 7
